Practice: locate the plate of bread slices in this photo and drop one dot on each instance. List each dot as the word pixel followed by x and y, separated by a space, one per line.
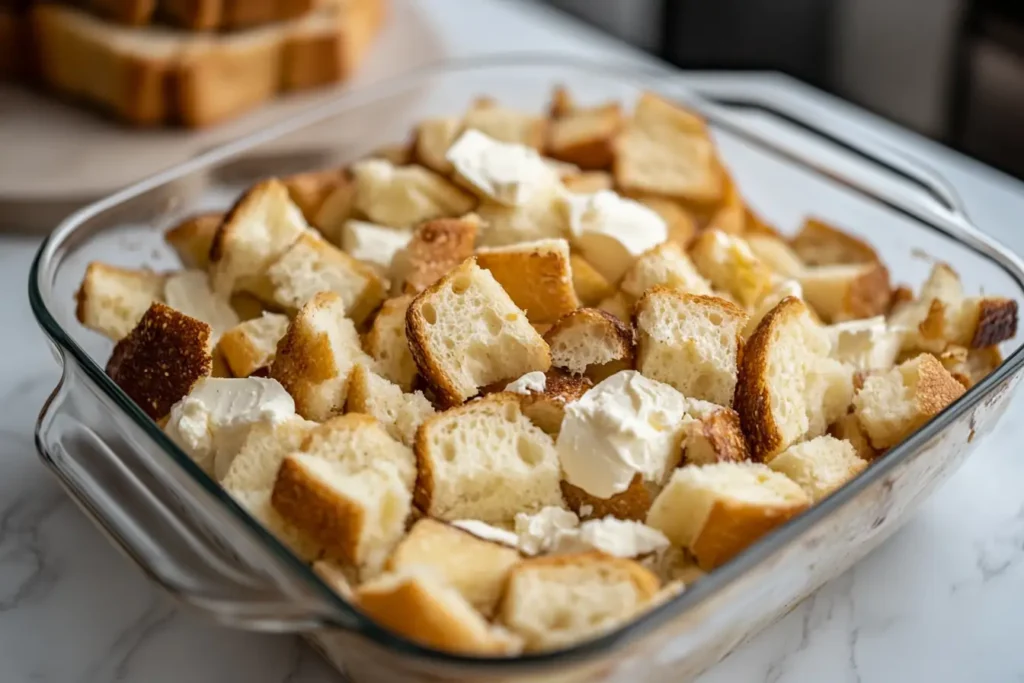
pixel 512 385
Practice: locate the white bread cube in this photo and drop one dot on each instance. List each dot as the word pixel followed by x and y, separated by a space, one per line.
pixel 712 433
pixel 775 253
pixel 387 344
pixel 506 125
pixel 465 333
pixel 112 300
pixel 420 606
pixel 729 264
pixel 846 291
pixel 553 602
pixel 821 244
pixel 586 137
pixel 403 196
pixel 546 408
pixel 591 287
pixel 970 366
pixel 666 265
pixel 357 515
pixel 335 210
pixel 189 291
pixel 619 305
pixel 311 265
pixel 436 247
pixel 401 414
pixel 690 342
pixel 360 442
pixel 433 138
pixel 716 511
pixel 789 388
pixel 191 239
pixel 819 466
pixel 251 345
pixel 848 428
pixel 316 356
pixel 485 460
pixel 475 567
pixel 591 342
pixel 667 150
pixel 255 232
pixel 536 275
pixel 161 359
pixel 310 189
pixel 542 216
pixel 892 405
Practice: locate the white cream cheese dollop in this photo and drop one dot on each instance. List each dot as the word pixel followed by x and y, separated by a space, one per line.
pixel 611 231
pixel 624 426
pixel 618 537
pixel 488 532
pixel 509 174
pixel 542 531
pixel 211 423
pixel 531 383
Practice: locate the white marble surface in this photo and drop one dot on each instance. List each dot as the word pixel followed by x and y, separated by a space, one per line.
pixel 941 601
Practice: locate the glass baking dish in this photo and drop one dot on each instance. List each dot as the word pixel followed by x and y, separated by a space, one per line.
pixel 196 542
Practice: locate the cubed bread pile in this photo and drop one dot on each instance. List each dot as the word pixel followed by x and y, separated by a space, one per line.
pixel 185 62
pixel 515 384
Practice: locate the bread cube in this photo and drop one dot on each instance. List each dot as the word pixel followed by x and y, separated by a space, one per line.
pixel 970 366
pixel 691 342
pixel 821 244
pixel 360 442
pixel 112 300
pixel 316 356
pixel 631 504
pixel 189 291
pixel 401 414
pixel 475 567
pixel 591 287
pixel 775 253
pixel 682 225
pixel 336 209
pixel 619 305
pixel 846 292
pixel 554 602
pixel 191 239
pixel 666 265
pixel 848 428
pixel 586 137
pixel 311 189
pixel 891 406
pixel 486 461
pixel 789 389
pixel 506 125
pixel 536 275
pixel 717 511
pixel 433 138
pixel 712 433
pixel 161 359
pixel 436 248
pixel 819 466
pixel 403 196
pixel 251 345
pixel 423 608
pixel 546 408
pixel 465 333
pixel 730 266
pixel 542 216
pixel 591 342
pixel 387 344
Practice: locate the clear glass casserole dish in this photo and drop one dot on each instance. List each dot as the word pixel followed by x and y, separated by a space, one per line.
pixel 195 541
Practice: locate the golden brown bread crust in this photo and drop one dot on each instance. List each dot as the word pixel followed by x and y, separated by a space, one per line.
pixel 732 526
pixel 160 360
pixel 997 322
pixel 592 149
pixel 633 503
pixel 436 247
pixel 547 409
pixel 901 294
pixel 753 397
pixel 723 433
pixel 304 358
pixel 537 279
pixel 936 388
pixel 821 244
pixel 869 294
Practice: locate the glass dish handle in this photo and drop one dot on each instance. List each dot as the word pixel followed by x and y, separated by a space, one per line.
pixel 217 565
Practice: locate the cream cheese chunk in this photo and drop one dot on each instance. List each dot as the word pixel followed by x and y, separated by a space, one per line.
pixel 531 383
pixel 612 536
pixel 487 532
pixel 624 426
pixel 211 423
pixel 506 173
pixel 611 231
pixel 542 531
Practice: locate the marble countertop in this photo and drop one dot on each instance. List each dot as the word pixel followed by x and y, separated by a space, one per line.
pixel 940 601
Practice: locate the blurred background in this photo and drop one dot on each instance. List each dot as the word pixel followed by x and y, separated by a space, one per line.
pixel 952 70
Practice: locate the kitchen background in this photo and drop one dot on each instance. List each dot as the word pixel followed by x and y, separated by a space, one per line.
pixel 952 70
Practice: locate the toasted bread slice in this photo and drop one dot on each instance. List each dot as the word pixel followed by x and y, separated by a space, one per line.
pixel 667 150
pixel 465 333
pixel 591 342
pixel 586 137
pixel 847 292
pixel 546 407
pixel 848 428
pixel 666 265
pixel 473 566
pixel 251 345
pixel 401 414
pixel 506 125
pixel 729 265
pixel 316 355
pixel 712 433
pixel 970 366
pixel 433 138
pixel 112 300
pixel 387 344
pixel 588 182
pixel 255 233
pixel 716 511
pixel 311 265
pixel 536 275
pixel 821 244
pixel 819 466
pixel 404 196
pixel 775 253
pixel 191 239
pixel 691 342
pixel 485 460
pixel 553 602
pixel 436 247
pixel 891 406
pixel 357 515
pixel 789 388
pixel 161 359
pixel 421 607
pixel 189 291
pixel 591 287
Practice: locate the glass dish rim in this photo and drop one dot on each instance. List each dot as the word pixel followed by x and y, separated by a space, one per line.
pixel 703 591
